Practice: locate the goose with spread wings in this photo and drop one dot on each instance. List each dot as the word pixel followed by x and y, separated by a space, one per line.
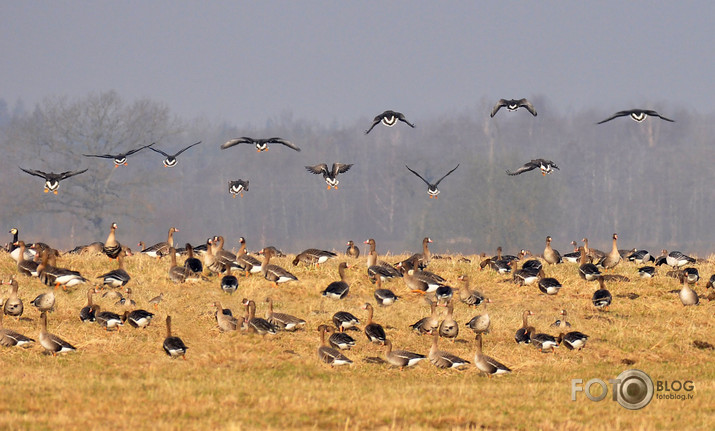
pixel 52 180
pixel 389 119
pixel 261 143
pixel 331 175
pixel 513 105
pixel 546 166
pixel 432 189
pixel 170 160
pixel 637 115
pixel 121 158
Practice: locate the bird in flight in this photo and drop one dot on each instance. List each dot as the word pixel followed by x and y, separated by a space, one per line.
pixel 389 119
pixel 638 115
pixel 237 187
pixel 432 189
pixel 330 176
pixel 546 166
pixel 170 160
pixel 513 105
pixel 121 158
pixel 52 180
pixel 261 144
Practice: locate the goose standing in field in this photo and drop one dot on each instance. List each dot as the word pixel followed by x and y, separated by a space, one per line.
pixel 543 341
pixel 687 294
pixel 344 320
pixel 121 158
pixel 225 257
pixel 449 328
pixel 546 167
pixel 500 266
pixel 210 261
pixel 192 263
pixel 283 321
pixel 418 283
pixel 550 255
pixel 374 332
pixel 340 340
pixel 225 322
pixel 87 313
pixel 330 355
pixel 442 359
pixel 170 159
pixel 28 254
pixel 274 273
pixel 52 275
pixel 383 297
pixel 155 301
pixel 574 256
pixel 248 262
pixel 378 269
pixel 587 270
pixel 676 259
pixel 10 338
pixel 470 297
pixel 614 257
pixel 429 324
pixel 432 190
pixel 52 180
pixel 523 334
pixel 602 297
pixel 594 255
pixel 229 282
pixel 401 358
pixel 162 248
pixel 112 247
pixel 573 340
pixel 51 342
pixel 24 266
pixel 338 289
pixel 637 115
pixel 107 319
pixel 44 301
pixel 255 324
pixel 118 277
pixel 481 323
pixel 487 364
pixel 138 318
pixel 13 305
pixel 260 143
pixel 127 300
pixel 173 346
pixel 352 250
pixel 237 187
pixel 512 105
pixel 313 257
pixel 330 176
pixel 421 260
pixel 389 118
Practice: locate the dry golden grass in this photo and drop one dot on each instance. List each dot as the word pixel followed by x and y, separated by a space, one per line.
pixel 244 381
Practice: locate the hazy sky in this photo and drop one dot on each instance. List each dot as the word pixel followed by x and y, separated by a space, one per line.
pixel 342 61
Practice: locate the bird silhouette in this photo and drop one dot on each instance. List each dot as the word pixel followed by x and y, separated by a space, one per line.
pixel 52 180
pixel 389 119
pixel 170 160
pixel 432 189
pixel 261 144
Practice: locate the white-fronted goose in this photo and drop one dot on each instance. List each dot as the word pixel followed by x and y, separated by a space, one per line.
pixel 344 320
pixel 527 276
pixel 374 332
pixel 87 313
pixel 260 143
pixel 546 166
pixel 274 273
pixel 382 270
pixel 481 323
pixel 449 328
pixel 432 190
pixel 14 249
pixel 587 270
pixel 225 322
pixel 210 261
pixel 691 274
pixel 51 275
pixel 429 324
pixel 594 254
pixel 162 248
pixel 352 250
pixel 127 300
pixel 614 257
pixel 44 301
pixel 383 297
pixel 249 263
pixel 574 256
pixel 443 294
pixel 512 105
pixel 573 340
pixel 229 282
pixel 637 115
pixel 550 255
pixel 155 301
pixel 442 359
pixel 313 256
pixel 330 175
pixel 340 340
pixel 543 342
pixel 121 158
pixel 52 180
pixel 107 319
pixel 173 346
pixel 170 159
pixel 640 257
pixel 523 334
pixel 225 257
pixel 330 355
pixel 500 266
pixel 13 305
pixel 662 259
pixel 389 118
pixel 338 289
pixel 676 259
pixel 549 285
pixel 418 282
pixel 237 187
pixel 10 338
pixel 532 264
pixel 112 247
pixel 401 358
pixel 138 318
pixel 487 364
pixel 255 324
pixel 283 321
pixel 191 262
pixel 687 294
pixel 25 267
pixel 470 297
pixel 118 277
pixel 646 272
pixel 602 297
pixel 51 342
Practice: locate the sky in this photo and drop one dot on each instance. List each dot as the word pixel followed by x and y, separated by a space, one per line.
pixel 337 62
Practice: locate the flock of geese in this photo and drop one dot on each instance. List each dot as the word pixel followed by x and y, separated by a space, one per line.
pixel 39 260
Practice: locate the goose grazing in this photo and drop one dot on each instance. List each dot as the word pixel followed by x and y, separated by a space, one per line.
pixel 107 319
pixel 352 250
pixel 432 190
pixel 330 355
pixel 111 246
pixel 638 115
pixel 44 301
pixel 255 324
pixel 442 359
pixel 340 340
pixel 383 297
pixel 87 313
pixel 543 342
pixel 126 301
pixel 417 282
pixel 691 274
pixel 173 346
pixel 449 328
pixel 226 322
pixel 587 270
pixel 546 166
pixel 551 256
pixel 640 257
pixel 549 286
pixel 274 273
pixel 330 176
pixel 237 187
pixel 487 364
pixel 470 297
pixel 260 143
pixel 374 332
pixel 118 277
pixel 389 119
pixel 602 297
pixel 480 323
pixel 51 342
pixel 170 159
pixel 500 266
pixel 614 257
pixel 10 338
pixel 283 321
pixel 162 248
pixel 338 289
pixel 24 266
pixel 52 180
pixel 344 320
pixel 13 305
pixel 527 276
pixel 676 259
pixel 523 334
pixel 646 272
pixel 52 275
pixel 138 318
pixel 229 282
pixel 401 358
pixel 687 294
pixel 512 105
pixel 313 257
pixel 121 158
pixel 573 340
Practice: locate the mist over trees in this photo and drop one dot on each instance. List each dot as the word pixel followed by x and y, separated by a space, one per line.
pixel 649 182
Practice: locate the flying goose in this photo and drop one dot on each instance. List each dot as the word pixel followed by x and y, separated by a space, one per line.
pixel 121 158
pixel 52 180
pixel 261 143
pixel 389 119
pixel 638 115
pixel 237 187
pixel 513 105
pixel 173 346
pixel 546 166
pixel 170 160
pixel 487 364
pixel 432 190
pixel 330 176
pixel 51 342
